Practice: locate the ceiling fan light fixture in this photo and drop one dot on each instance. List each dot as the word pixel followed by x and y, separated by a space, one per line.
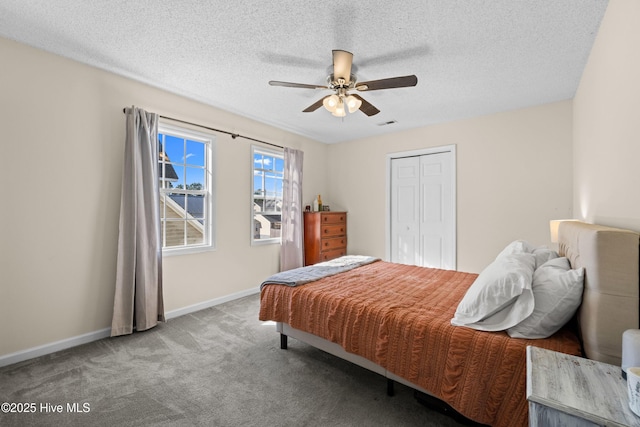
pixel 339 110
pixel 353 103
pixel 331 103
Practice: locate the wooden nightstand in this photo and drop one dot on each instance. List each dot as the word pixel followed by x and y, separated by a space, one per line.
pixel 565 390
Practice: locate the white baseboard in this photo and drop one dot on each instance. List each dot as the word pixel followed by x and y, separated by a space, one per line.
pixel 211 303
pixel 41 350
pixel 30 353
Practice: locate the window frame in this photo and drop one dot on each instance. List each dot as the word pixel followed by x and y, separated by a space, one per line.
pixel 208 140
pixel 269 152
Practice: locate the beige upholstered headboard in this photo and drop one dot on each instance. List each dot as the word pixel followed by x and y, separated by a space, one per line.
pixel 610 303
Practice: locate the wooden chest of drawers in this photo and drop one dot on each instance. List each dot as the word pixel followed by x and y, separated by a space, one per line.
pixel 325 236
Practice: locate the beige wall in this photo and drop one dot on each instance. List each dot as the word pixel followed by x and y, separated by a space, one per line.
pixel 607 123
pixel 513 175
pixel 62 132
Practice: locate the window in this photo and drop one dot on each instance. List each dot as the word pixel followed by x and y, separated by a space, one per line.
pixel 186 189
pixel 266 195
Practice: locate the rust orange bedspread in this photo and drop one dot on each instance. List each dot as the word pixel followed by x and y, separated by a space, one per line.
pixel 398 316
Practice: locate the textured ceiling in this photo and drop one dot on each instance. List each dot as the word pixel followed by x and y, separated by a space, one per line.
pixel 471 57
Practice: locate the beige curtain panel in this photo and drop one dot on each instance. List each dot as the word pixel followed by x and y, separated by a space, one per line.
pixel 138 297
pixel 292 250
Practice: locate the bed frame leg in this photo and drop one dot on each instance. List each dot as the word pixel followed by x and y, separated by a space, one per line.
pixel 283 342
pixel 390 384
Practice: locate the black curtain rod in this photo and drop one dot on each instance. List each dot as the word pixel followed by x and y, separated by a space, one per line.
pixel 233 135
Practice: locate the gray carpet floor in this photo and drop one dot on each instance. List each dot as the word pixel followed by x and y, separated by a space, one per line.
pixel 216 367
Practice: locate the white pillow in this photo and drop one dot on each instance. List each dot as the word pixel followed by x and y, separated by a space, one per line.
pixel 544 254
pixel 517 247
pixel 557 291
pixel 500 297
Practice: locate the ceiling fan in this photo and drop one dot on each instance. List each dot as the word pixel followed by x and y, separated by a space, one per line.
pixel 342 81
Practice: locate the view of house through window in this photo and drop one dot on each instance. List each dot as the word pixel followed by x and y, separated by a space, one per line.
pixel 268 173
pixel 186 179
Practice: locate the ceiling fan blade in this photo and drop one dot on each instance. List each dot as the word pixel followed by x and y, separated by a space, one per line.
pixel 313 107
pixel 298 85
pixel 342 61
pixel 366 107
pixel 391 83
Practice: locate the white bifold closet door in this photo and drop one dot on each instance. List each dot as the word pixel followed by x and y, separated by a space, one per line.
pixel 422 211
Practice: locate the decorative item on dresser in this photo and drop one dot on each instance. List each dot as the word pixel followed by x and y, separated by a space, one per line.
pixel 325 236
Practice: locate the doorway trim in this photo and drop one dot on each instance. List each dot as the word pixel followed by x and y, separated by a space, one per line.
pixel 454 200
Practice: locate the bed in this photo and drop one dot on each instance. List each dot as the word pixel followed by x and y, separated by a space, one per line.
pixel 396 320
